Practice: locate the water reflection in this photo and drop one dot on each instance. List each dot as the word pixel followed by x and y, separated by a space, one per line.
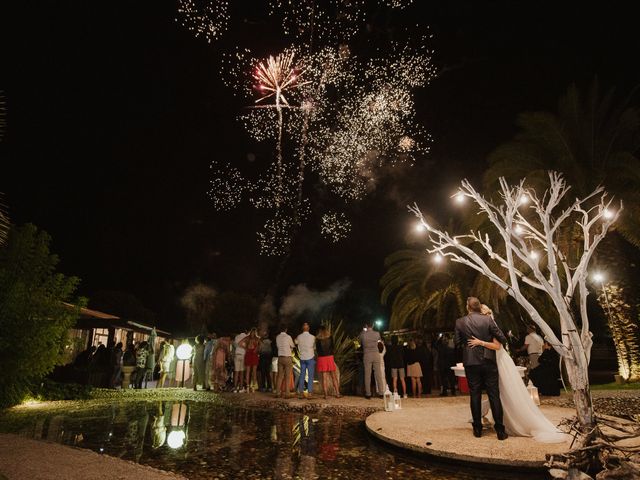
pixel 201 441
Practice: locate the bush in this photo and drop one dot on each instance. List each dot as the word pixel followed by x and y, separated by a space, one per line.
pixel 50 390
pixel 33 316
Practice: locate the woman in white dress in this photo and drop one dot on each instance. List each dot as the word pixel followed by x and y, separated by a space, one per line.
pixel 522 417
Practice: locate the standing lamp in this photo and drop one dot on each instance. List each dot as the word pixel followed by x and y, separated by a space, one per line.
pixel 183 352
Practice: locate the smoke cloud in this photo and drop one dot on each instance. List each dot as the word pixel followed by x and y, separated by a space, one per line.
pixel 300 299
pixel 198 301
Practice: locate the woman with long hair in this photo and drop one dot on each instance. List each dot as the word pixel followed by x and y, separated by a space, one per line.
pixel 251 343
pixel 326 363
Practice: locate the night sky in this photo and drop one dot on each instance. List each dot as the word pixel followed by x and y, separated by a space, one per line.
pixel 114 112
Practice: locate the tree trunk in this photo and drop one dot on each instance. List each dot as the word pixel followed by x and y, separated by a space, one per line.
pixel 578 372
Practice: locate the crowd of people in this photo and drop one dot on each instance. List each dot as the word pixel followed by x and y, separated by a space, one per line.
pixel 280 364
pixel 252 362
pixel 105 366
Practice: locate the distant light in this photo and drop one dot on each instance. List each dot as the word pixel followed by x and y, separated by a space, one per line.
pixel 608 214
pixel 598 277
pixel 460 197
pixel 534 255
pixel 437 258
pixel 524 199
pixel 420 227
pixel 183 352
pixel 379 323
pixel 101 449
pixel 176 438
pixel 518 230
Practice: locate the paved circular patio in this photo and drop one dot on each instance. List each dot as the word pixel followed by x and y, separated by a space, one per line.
pixel 440 427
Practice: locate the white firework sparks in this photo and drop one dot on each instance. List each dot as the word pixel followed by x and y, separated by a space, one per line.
pixel 204 18
pixel 335 226
pixel 275 237
pixel 227 186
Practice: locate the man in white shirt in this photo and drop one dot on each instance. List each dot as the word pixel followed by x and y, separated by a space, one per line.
pixel 306 347
pixel 285 345
pixel 533 344
pixel 238 362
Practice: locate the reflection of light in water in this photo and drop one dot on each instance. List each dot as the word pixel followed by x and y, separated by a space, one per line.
pixel 274 433
pixel 176 438
pixel 299 430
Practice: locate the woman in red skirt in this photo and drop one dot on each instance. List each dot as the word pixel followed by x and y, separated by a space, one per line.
pixel 251 344
pixel 326 364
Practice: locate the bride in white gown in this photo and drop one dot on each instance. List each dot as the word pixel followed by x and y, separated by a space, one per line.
pixel 522 417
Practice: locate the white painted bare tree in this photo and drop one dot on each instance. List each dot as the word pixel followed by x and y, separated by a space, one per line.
pixel 524 243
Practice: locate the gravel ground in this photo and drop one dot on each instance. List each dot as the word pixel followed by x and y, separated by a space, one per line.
pixel 617 403
pixel 347 405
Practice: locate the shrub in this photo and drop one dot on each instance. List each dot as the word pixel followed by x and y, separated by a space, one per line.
pixel 33 316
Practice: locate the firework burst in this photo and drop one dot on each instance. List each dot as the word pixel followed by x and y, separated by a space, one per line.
pixel 345 119
pixel 277 75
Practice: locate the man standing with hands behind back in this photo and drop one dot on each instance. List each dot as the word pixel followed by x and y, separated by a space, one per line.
pixel 369 339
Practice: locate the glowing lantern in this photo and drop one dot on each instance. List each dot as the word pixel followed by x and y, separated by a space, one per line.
pixel 388 401
pixel 533 393
pixel 397 401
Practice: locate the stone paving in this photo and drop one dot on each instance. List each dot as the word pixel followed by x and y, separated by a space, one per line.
pixel 440 427
pixel 22 458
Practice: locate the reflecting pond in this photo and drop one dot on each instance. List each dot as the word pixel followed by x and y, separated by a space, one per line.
pixel 205 441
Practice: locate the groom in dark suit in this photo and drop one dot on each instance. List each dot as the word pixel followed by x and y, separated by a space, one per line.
pixel 480 363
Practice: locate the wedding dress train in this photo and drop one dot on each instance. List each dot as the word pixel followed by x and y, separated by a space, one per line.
pixel 522 417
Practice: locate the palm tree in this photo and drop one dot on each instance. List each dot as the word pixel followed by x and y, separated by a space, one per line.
pixel 593 141
pixel 420 294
